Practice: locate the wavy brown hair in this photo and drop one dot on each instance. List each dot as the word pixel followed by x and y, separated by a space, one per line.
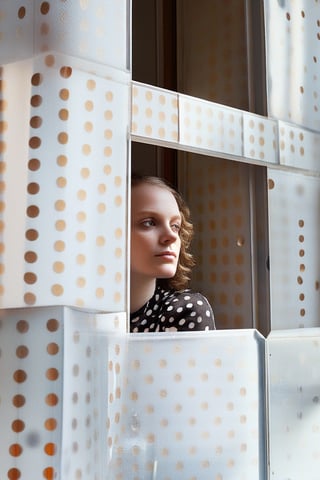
pixel 182 276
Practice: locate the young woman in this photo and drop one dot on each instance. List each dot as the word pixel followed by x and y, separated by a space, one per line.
pixel 160 262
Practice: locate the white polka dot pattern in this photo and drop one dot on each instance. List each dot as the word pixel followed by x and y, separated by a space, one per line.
pixel 173 311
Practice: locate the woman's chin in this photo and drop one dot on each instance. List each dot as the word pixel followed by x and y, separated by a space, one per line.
pixel 166 273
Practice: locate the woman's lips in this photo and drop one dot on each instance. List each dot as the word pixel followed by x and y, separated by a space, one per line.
pixel 166 254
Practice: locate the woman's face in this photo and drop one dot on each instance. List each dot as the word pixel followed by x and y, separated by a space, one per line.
pixel 155 226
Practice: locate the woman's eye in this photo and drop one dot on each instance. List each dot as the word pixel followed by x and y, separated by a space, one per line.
pixel 176 227
pixel 148 223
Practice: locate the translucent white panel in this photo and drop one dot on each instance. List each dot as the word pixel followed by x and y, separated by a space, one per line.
pixel 294 237
pixel 192 408
pixel 154 113
pixel 30 392
pixel 54 391
pixel 209 126
pixel 299 147
pixel 94 353
pixel 95 30
pixel 294 415
pixel 16 30
pixel 65 184
pixel 166 118
pixel 292 51
pixel 81 399
pixel 260 138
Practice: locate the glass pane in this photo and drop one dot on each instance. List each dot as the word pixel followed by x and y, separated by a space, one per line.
pixel 294 236
pixel 294 419
pixel 292 50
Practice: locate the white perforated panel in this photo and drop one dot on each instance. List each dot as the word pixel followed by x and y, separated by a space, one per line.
pixel 260 138
pixel 294 418
pixel 298 147
pixel 83 29
pixel 58 376
pixel 292 53
pixel 209 126
pixel 66 234
pixel 192 408
pixel 294 239
pixel 154 113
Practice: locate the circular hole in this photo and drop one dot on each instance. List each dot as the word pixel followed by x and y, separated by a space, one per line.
pixel 15 450
pixel 18 426
pixel 50 424
pixel 30 257
pixel 50 449
pixel 52 325
pixel 52 348
pixel 32 235
pixel 14 474
pixel 44 8
pixel 52 399
pixel 52 374
pixel 21 12
pixel 19 376
pixel 22 351
pixel 22 326
pixel 18 401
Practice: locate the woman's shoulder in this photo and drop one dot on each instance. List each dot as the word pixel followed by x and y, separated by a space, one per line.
pixel 188 304
pixel 187 296
pixel 186 309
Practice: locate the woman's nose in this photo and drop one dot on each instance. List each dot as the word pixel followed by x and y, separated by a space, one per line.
pixel 168 235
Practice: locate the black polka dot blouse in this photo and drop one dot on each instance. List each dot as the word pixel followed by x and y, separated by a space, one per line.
pixel 172 311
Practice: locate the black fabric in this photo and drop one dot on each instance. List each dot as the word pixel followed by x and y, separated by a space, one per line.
pixel 169 310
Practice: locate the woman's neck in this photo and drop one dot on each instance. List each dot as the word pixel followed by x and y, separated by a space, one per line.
pixel 141 290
